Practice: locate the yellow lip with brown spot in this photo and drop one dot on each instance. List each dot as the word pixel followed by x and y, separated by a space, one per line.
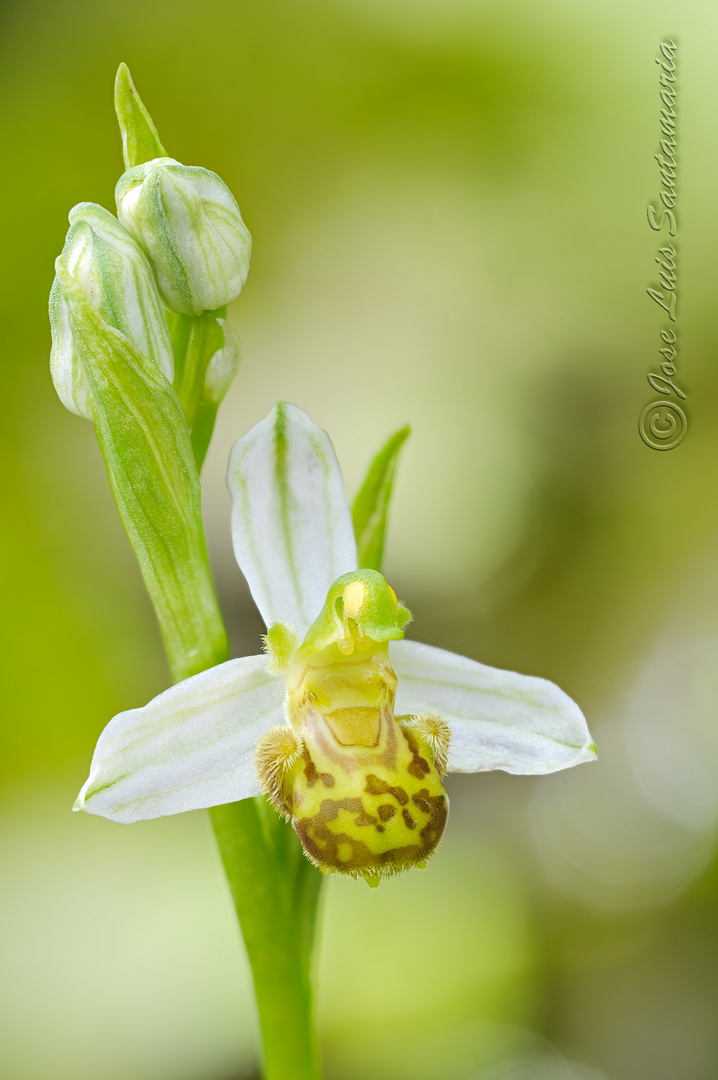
pixel 362 788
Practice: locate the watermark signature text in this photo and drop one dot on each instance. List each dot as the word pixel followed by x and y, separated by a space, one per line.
pixel 663 423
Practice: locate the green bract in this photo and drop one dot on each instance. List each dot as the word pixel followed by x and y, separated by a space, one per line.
pixel 113 273
pixel 140 139
pixel 371 505
pixel 146 446
pixel 188 223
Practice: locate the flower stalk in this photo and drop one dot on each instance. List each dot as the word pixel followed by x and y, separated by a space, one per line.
pixel 206 360
pixel 276 894
pixel 274 889
pixel 114 350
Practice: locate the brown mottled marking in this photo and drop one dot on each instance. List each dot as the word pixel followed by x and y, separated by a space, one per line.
pixel 408 819
pixel 419 766
pixel 386 812
pixel 433 733
pixel 437 805
pixel 423 800
pixel 356 806
pixel 310 771
pixel 375 786
pixel 323 847
pixel 329 811
pixel 351 855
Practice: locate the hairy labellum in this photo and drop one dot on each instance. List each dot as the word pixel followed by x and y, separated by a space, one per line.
pixel 361 787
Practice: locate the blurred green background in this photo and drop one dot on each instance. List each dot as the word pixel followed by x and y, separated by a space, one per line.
pixel 448 204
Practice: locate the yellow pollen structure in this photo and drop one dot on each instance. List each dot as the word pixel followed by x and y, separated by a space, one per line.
pixel 361 787
pixel 354 597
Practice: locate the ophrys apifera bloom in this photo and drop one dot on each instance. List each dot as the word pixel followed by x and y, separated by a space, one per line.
pixel 346 727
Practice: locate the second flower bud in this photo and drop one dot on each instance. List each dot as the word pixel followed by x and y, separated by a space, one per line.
pixel 189 225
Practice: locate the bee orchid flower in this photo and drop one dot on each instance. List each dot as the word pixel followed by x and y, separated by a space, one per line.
pixel 346 727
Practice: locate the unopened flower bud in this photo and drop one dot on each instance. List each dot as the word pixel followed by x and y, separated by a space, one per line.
pixel 223 366
pixel 188 223
pixel 113 273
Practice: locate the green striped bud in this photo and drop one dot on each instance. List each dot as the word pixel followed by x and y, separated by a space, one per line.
pixel 113 273
pixel 189 225
pixel 223 366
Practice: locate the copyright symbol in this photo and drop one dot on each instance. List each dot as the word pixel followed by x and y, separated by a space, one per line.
pixel 662 425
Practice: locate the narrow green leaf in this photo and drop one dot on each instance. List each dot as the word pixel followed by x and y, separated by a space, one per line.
pixel 140 141
pixel 371 505
pixel 144 439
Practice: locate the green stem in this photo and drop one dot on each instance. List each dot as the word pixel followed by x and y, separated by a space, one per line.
pixel 276 895
pixel 202 431
pixel 276 909
pixel 195 340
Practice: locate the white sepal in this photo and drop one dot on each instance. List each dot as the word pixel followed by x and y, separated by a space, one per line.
pixel 498 719
pixel 291 525
pixel 65 367
pixel 190 747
